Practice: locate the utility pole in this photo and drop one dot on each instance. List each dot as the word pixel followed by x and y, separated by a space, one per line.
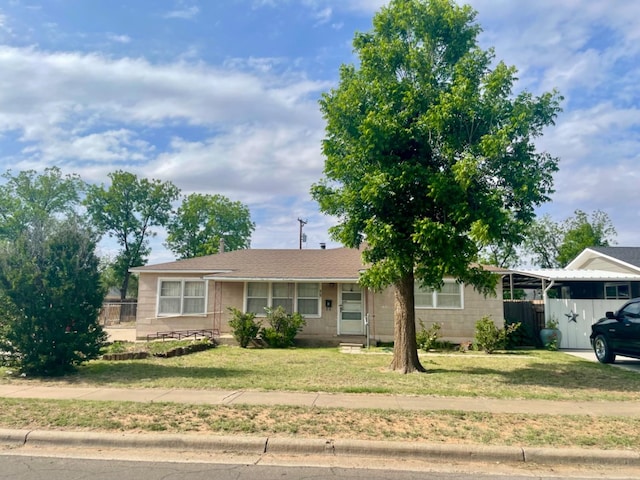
pixel 302 224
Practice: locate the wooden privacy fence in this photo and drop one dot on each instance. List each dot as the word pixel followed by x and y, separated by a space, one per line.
pixel 115 313
pixel 530 314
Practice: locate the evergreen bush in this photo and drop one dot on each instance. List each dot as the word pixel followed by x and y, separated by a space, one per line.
pixel 50 299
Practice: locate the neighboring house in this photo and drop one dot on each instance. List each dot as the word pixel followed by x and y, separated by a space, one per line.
pixel 321 284
pixel 598 280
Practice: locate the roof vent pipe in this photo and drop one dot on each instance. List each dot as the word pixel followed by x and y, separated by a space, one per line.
pixel 323 246
pixel 221 245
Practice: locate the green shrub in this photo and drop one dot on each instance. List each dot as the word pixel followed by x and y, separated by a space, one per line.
pixel 116 347
pixel 244 327
pixel 283 327
pixel 490 338
pixel 427 339
pixel 523 336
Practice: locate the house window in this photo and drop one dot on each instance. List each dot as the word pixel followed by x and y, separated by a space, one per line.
pixel 282 296
pixel 449 296
pixel 257 297
pixel 617 291
pixel 309 298
pixel 305 297
pixel 182 297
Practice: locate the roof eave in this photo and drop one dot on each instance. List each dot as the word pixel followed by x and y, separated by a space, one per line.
pixel 207 271
pixel 281 279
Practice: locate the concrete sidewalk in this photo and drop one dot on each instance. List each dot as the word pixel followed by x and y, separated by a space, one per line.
pixel 325 400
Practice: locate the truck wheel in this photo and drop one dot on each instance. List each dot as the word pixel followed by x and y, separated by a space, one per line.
pixel 602 350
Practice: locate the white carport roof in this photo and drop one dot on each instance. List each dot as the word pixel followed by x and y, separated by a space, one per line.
pixel 537 278
pixel 578 275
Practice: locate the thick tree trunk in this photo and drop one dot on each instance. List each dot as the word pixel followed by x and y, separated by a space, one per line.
pixel 405 348
pixel 123 295
pixel 125 287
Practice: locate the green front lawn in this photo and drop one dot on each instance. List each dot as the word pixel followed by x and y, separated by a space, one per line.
pixel 521 374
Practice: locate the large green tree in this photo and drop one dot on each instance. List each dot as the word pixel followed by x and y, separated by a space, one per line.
pixel 554 244
pixel 50 298
pixel 29 200
pixel 128 210
pixel 202 221
pixel 428 155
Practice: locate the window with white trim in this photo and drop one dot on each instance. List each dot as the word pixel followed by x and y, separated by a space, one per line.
pixel 617 291
pixel 309 298
pixel 282 296
pixel 304 297
pixel 257 297
pixel 448 297
pixel 182 297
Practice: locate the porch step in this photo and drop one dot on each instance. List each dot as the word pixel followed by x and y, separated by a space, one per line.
pixel 351 347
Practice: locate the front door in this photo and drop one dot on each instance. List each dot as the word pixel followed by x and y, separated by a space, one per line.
pixel 350 317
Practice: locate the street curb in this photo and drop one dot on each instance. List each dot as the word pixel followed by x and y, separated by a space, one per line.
pixel 13 438
pixel 415 450
pixel 240 444
pixel 303 446
pixel 575 456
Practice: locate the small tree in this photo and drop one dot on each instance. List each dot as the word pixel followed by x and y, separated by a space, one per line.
pixel 244 327
pixel 51 298
pixel 283 327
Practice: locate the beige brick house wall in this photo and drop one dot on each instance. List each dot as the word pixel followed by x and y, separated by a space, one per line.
pixel 219 297
pixel 458 325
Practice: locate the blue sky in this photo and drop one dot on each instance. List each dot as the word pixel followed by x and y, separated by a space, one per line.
pixel 221 96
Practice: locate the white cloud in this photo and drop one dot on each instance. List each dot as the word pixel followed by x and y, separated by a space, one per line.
pixel 119 38
pixel 323 16
pixel 183 12
pixel 108 147
pixel 251 162
pixel 41 89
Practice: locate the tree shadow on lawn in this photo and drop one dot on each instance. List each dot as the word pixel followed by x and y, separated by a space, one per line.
pixel 586 376
pixel 138 373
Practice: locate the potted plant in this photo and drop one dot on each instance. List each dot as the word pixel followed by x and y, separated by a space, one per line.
pixel 551 336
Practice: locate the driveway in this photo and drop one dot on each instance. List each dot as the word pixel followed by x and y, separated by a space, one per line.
pixel 122 334
pixel 622 362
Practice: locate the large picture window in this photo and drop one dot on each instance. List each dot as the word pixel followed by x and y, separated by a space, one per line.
pixel 303 297
pixel 182 297
pixel 449 296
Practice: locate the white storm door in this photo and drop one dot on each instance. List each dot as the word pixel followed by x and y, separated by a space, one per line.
pixel 350 317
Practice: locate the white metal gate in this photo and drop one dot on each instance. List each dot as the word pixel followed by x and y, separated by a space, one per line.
pixel 575 318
